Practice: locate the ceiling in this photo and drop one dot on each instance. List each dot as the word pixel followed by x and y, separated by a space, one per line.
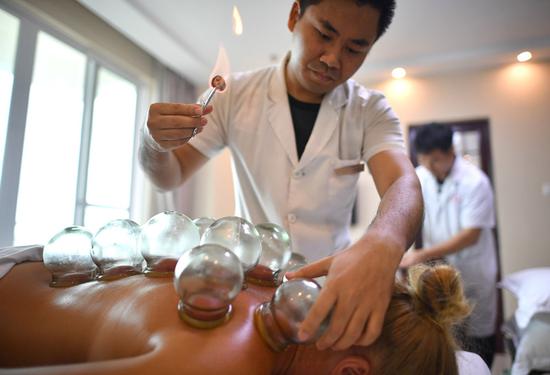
pixel 427 37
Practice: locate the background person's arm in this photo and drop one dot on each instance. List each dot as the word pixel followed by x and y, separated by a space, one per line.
pixel 464 238
pixel 360 278
pixel 476 212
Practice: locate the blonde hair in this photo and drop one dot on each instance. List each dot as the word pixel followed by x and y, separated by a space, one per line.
pixel 417 334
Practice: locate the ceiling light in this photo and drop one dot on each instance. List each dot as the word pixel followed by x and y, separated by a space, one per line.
pixel 524 56
pixel 398 73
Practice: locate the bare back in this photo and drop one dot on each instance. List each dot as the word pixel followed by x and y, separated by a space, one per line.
pixel 129 325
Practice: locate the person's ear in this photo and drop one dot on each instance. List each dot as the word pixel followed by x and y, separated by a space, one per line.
pixel 352 365
pixel 449 154
pixel 452 151
pixel 294 15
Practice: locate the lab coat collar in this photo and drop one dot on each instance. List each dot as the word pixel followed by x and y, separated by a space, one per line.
pixel 278 112
pixel 451 183
pixel 281 120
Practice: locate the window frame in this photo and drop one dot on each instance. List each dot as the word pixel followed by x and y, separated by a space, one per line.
pixel 30 24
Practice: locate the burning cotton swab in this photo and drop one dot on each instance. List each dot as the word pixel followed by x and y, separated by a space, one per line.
pixel 216 84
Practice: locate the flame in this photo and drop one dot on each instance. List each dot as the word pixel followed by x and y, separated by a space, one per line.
pixel 237 21
pixel 222 66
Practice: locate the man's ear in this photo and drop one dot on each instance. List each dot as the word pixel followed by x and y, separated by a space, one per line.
pixel 294 15
pixel 452 151
pixel 352 365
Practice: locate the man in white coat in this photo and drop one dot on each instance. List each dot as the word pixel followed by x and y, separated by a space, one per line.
pixel 300 133
pixel 458 226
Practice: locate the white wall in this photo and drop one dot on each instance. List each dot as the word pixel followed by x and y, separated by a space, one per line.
pixel 516 100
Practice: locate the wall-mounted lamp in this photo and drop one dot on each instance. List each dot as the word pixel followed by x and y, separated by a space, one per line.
pixel 398 73
pixel 524 56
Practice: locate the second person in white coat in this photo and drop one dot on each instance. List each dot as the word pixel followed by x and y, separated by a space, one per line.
pixel 458 226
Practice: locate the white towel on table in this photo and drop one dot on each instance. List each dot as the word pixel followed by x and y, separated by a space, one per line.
pixel 10 256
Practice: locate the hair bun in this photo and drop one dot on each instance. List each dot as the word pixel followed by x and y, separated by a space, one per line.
pixel 437 291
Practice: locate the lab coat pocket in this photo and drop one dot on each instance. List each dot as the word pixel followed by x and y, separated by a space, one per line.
pixel 343 184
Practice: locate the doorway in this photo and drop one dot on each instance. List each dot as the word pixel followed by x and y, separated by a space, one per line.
pixel 471 141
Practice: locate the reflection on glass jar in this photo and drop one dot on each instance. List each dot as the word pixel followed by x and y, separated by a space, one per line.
pixel 239 236
pixel 279 320
pixel 295 262
pixel 276 252
pixel 203 223
pixel 115 250
pixel 67 257
pixel 163 239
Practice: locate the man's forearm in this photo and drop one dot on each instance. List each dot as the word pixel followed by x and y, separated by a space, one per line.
pixel 400 212
pixel 162 167
pixel 461 240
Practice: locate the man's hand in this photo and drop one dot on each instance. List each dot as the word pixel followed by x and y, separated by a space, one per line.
pixel 360 279
pixel 163 153
pixel 466 237
pixel 357 291
pixel 171 125
pixel 412 257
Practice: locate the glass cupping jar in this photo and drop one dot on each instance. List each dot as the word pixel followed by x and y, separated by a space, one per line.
pixel 237 235
pixel 163 239
pixel 276 252
pixel 278 321
pixel 115 250
pixel 67 257
pixel 207 279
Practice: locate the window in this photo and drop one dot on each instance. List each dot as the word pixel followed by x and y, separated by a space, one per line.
pixel 111 150
pixel 49 168
pixel 9 29
pixel 76 157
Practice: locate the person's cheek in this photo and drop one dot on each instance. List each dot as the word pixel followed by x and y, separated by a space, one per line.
pixel 312 48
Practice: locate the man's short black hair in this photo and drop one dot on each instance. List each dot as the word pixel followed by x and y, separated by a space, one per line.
pixel 385 7
pixel 433 137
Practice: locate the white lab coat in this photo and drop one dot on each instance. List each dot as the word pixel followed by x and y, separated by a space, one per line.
pixel 471 364
pixel 465 200
pixel 305 196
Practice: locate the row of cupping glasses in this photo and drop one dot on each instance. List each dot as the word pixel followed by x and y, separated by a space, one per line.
pixel 123 248
pixel 208 259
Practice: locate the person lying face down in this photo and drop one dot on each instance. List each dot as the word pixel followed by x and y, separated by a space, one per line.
pixel 131 326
